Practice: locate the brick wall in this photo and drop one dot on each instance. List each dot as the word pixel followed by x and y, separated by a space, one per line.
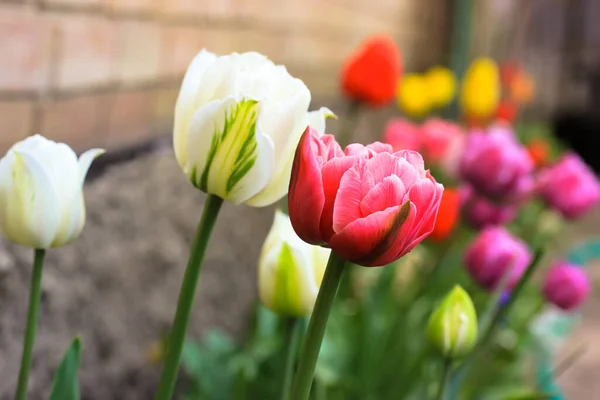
pixel 106 72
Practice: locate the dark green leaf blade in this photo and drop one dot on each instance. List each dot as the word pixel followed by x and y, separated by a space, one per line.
pixel 66 385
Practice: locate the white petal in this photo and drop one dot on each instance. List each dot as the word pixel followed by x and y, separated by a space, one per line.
pixel 228 154
pixel 187 101
pixel 85 161
pixel 279 184
pixel 29 205
pixel 316 119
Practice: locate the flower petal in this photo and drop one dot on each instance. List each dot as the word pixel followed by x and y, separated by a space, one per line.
pixel 332 172
pixel 366 239
pixel 238 163
pixel 306 195
pixel 29 204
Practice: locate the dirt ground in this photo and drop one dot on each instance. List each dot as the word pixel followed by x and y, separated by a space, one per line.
pixel 117 285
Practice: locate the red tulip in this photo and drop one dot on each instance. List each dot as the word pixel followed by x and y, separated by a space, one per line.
pixel 448 215
pixel 507 111
pixel 370 205
pixel 372 73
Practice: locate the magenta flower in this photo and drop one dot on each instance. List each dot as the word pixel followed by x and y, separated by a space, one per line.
pixel 494 253
pixel 496 165
pixel 569 186
pixel 567 286
pixel 480 212
pixel 370 205
pixel 402 134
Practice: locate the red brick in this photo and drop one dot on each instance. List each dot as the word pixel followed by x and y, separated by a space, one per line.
pixel 139 52
pixel 129 118
pixel 87 50
pixel 74 121
pixel 24 45
pixel 16 122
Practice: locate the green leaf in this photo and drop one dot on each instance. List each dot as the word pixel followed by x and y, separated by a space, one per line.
pixel 65 385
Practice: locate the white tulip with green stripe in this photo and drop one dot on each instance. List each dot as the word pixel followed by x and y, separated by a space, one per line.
pixel 238 120
pixel 41 192
pixel 290 270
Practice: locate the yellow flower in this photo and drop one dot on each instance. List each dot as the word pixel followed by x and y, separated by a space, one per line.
pixel 481 89
pixel 442 85
pixel 413 95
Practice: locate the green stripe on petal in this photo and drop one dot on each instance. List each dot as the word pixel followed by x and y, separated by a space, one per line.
pixel 230 168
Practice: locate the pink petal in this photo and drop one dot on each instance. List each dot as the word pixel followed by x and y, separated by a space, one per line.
pixel 346 208
pixel 367 239
pixel 332 173
pixel 388 193
pixel 379 147
pixel 306 195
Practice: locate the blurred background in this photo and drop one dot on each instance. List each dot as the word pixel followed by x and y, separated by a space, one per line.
pixel 106 73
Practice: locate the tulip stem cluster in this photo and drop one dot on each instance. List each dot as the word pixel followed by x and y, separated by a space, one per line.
pixel 35 295
pixel 316 328
pixel 186 298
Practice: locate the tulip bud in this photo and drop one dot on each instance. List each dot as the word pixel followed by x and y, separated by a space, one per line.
pixel 238 119
pixel 496 165
pixel 495 253
pixel 402 134
pixel 41 192
pixel 567 286
pixel 413 96
pixel 481 89
pixel 441 85
pixel 452 328
pixel 443 143
pixel 371 73
pixel 480 212
pixel 290 270
pixel 569 186
pixel 447 216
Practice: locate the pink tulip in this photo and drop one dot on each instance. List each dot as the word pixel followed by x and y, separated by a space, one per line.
pixel 439 136
pixel 567 286
pixel 496 165
pixel 569 186
pixel 370 205
pixel 495 253
pixel 480 212
pixel 402 134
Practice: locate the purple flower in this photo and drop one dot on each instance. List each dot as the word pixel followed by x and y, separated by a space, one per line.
pixel 569 186
pixel 494 253
pixel 497 165
pixel 567 285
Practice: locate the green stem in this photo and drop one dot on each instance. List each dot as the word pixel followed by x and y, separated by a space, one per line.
pixel 35 295
pixel 499 313
pixel 316 328
pixel 293 339
pixel 446 369
pixel 186 298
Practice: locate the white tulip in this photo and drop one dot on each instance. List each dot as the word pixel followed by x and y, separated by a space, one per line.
pixel 238 120
pixel 290 270
pixel 41 192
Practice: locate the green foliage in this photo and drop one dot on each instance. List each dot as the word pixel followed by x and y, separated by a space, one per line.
pixel 65 385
